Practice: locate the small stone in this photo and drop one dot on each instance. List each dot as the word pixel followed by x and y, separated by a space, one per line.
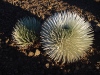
pixel 7 40
pixel 98 24
pixel 97 0
pixel 97 67
pixel 65 71
pixel 96 21
pixel 91 51
pixel 37 52
pixel 47 65
pixel 48 60
pixel 31 54
pixel 98 62
pixel 68 70
pixel 61 68
pixel 52 64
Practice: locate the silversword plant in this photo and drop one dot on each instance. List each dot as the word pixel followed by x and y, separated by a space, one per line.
pixel 66 37
pixel 26 32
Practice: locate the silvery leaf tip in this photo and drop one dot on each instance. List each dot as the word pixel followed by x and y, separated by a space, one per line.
pixel 25 32
pixel 66 36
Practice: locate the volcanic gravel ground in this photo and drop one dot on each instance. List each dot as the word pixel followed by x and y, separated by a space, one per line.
pixel 34 62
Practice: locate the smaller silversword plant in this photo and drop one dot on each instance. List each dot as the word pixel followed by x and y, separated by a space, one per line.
pixel 26 32
pixel 66 37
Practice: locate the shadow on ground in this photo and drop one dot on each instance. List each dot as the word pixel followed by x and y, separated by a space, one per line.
pixel 13 62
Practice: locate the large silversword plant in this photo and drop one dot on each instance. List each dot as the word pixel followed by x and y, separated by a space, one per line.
pixel 26 32
pixel 66 36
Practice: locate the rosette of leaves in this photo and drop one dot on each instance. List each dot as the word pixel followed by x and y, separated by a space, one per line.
pixel 26 32
pixel 66 37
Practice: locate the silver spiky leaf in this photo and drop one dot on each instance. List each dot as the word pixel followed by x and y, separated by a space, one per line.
pixel 66 37
pixel 26 32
